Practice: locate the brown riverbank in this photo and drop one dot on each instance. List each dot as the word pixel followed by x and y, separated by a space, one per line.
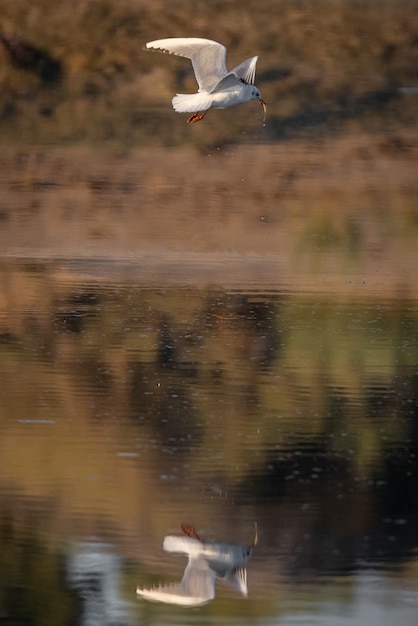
pixel 346 205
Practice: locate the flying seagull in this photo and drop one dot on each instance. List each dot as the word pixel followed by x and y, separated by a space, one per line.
pixel 218 88
pixel 207 561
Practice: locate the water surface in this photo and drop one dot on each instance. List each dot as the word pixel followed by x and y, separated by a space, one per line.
pixel 128 408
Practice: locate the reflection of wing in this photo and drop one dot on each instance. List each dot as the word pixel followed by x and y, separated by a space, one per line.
pixel 207 562
pixel 171 594
pixel 199 580
pixel 198 583
pixel 237 579
pixel 196 588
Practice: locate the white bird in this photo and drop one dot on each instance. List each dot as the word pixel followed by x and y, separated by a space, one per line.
pixel 207 561
pixel 218 88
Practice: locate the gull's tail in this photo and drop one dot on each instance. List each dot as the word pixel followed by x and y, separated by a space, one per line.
pixel 191 102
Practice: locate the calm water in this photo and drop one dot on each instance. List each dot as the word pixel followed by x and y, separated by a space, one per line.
pixel 128 408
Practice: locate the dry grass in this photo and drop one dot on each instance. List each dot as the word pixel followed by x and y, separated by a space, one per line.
pixel 323 206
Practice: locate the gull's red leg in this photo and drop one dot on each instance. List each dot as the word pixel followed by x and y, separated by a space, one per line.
pixel 190 531
pixel 196 117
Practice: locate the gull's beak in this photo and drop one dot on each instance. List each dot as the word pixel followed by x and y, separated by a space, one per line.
pixel 255 540
pixel 263 104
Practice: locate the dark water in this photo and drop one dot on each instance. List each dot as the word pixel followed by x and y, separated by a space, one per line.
pixel 129 408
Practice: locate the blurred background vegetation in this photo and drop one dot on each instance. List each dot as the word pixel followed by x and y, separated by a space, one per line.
pixel 77 70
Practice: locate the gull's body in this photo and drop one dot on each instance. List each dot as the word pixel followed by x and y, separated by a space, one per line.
pixel 207 561
pixel 218 88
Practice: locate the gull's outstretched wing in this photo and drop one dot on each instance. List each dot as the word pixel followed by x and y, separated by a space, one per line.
pixel 246 70
pixel 207 57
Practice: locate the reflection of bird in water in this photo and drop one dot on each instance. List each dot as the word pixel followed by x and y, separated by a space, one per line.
pixel 207 561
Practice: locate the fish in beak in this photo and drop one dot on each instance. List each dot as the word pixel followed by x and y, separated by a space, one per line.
pixel 263 104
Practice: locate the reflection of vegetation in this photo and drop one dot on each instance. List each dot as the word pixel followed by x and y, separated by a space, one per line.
pixel 32 576
pixel 278 400
pixel 152 354
pixel 319 61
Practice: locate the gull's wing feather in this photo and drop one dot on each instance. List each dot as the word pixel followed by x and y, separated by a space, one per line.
pixel 230 80
pixel 246 70
pixel 207 57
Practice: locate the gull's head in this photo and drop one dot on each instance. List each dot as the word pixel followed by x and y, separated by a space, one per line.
pixel 256 95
